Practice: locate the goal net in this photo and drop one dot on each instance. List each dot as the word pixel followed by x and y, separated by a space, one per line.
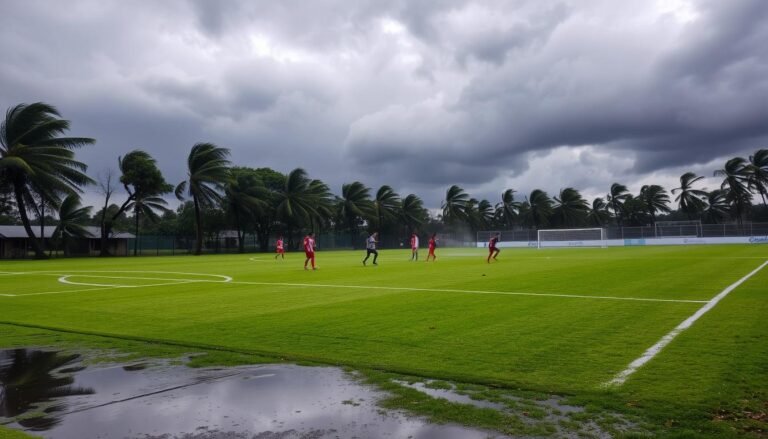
pixel 689 229
pixel 595 237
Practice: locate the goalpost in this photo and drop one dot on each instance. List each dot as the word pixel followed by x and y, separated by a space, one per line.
pixel 685 229
pixel 590 237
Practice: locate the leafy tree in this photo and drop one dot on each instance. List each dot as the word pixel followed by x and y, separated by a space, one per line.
pixel 633 211
pixel 570 208
pixel 455 205
pixel 616 198
pixel 73 218
pixel 690 200
pixel 734 175
pixel 144 184
pixel 508 209
pixel 354 205
pixel 654 198
pixel 598 214
pixel 208 171
pixel 33 154
pixel 537 209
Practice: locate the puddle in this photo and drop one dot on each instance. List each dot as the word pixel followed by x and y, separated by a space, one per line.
pixel 54 396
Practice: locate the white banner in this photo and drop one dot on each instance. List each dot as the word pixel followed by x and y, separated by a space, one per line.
pixel 635 242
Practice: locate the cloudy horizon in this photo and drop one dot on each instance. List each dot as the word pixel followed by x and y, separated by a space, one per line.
pixel 488 95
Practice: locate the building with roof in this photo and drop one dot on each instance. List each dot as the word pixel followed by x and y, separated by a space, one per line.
pixel 14 242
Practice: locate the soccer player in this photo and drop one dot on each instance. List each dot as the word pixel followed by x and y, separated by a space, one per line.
pixel 432 244
pixel 309 250
pixel 414 247
pixel 370 247
pixel 280 248
pixel 493 251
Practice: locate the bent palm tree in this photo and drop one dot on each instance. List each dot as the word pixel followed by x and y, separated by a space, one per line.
pixel 207 172
pixel 598 214
pixel 654 199
pixel 385 206
pixel 757 173
pixel 72 221
pixel 412 212
pixel 537 209
pixel 717 206
pixel 508 209
pixel 455 205
pixel 570 207
pixel 616 198
pixel 31 153
pixel 354 205
pixel 690 201
pixel 143 205
pixel 735 180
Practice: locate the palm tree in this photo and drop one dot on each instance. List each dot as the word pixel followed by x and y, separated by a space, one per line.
pixel 717 206
pixel 690 200
pixel 633 211
pixel 385 206
pixel 72 221
pixel 31 153
pixel 145 205
pixel 412 212
pixel 570 207
pixel 323 201
pixel 479 214
pixel 537 209
pixel 654 199
pixel 354 205
pixel 508 209
pixel 598 214
pixel 735 180
pixel 616 198
pixel 455 205
pixel 757 173
pixel 207 172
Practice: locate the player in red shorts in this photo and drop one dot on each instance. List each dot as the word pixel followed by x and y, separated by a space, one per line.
pixel 280 248
pixel 493 251
pixel 309 250
pixel 414 247
pixel 432 244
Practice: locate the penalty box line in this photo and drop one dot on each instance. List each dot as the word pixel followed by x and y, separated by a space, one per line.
pixel 654 350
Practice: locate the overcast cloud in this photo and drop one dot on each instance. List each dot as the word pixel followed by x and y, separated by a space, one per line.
pixel 419 95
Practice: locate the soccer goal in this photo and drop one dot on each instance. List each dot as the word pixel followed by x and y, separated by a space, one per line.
pixel 592 237
pixel 685 229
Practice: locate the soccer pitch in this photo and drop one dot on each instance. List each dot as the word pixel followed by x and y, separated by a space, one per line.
pixel 567 321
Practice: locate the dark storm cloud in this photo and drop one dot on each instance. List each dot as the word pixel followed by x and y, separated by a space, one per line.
pixel 418 95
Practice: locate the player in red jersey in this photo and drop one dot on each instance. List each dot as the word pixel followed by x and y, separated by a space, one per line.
pixel 493 251
pixel 309 250
pixel 432 244
pixel 280 248
pixel 414 247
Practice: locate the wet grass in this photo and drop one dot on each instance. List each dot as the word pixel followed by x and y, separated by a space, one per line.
pixel 708 382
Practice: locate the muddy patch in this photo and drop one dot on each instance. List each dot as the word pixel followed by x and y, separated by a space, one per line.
pixel 56 396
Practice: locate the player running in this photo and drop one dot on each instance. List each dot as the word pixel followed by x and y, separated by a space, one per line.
pixel 414 247
pixel 493 251
pixel 370 247
pixel 309 250
pixel 432 244
pixel 280 247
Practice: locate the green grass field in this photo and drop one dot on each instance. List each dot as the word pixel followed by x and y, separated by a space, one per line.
pixel 564 321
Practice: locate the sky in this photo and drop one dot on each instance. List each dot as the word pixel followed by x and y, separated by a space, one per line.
pixel 419 95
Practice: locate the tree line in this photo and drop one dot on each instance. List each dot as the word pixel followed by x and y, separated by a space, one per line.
pixel 41 181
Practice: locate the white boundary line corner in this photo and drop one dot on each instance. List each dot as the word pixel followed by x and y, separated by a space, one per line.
pixel 648 355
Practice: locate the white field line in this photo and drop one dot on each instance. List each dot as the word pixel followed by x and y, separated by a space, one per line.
pixel 648 355
pixel 443 290
pixel 60 292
